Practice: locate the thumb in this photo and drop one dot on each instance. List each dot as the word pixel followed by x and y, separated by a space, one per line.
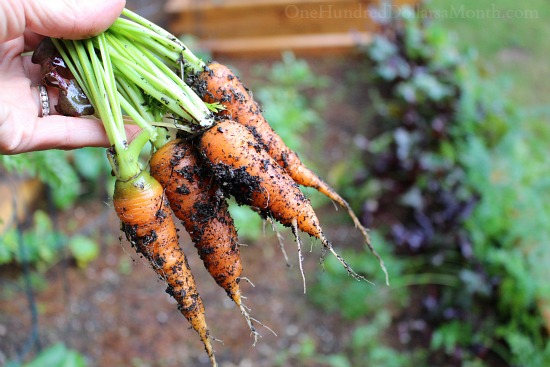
pixel 72 19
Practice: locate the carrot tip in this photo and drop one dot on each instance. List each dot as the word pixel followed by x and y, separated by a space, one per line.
pixel 366 236
pixel 328 246
pixel 244 311
pixel 209 349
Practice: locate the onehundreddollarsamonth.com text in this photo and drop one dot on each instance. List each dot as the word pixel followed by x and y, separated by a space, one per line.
pixel 360 10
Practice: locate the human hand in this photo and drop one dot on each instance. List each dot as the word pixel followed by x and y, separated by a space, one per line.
pixel 24 24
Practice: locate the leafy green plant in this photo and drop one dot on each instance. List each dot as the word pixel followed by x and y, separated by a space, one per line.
pixel 67 174
pixel 456 171
pixel 365 347
pixel 353 300
pixel 69 177
pixel 43 245
pixel 57 355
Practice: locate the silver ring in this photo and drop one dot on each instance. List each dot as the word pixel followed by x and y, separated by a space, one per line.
pixel 44 101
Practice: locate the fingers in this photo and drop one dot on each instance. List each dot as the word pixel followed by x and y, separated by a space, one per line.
pixel 60 132
pixel 73 19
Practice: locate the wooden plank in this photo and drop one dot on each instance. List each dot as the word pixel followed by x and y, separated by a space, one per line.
pixel 310 44
pixel 177 6
pixel 173 6
pixel 240 26
pixel 330 17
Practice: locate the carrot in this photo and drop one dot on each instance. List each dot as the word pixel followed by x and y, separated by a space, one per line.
pixel 253 177
pixel 149 226
pixel 219 84
pixel 198 202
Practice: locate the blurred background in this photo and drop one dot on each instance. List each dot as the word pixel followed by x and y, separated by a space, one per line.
pixel 431 118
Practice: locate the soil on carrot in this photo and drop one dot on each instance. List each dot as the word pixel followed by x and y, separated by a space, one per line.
pixel 116 312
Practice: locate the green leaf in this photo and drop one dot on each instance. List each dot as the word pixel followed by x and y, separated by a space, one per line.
pixel 451 335
pixel 53 168
pixel 8 246
pixel 336 360
pixel 83 249
pixel 90 162
pixel 59 356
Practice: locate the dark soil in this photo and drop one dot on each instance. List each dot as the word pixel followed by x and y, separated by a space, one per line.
pixel 116 312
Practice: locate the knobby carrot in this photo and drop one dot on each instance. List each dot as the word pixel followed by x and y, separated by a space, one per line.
pixel 148 224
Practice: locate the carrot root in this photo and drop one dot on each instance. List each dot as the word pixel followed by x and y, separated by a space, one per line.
pixel 146 220
pixel 248 319
pixel 281 242
pixel 296 233
pixel 328 246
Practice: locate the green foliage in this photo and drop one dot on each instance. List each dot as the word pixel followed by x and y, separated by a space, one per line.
pixel 353 300
pixel 42 245
pixel 365 347
pixel 56 355
pixel 63 172
pixel 451 335
pixel 53 168
pixel 83 249
pixel 457 172
pixel 69 176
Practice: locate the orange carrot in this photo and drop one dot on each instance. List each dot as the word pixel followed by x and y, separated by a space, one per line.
pixel 149 226
pixel 197 201
pixel 251 175
pixel 219 84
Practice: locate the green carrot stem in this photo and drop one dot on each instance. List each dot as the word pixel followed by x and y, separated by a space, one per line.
pixel 195 62
pixel 163 137
pixel 109 81
pixel 97 80
pixel 163 48
pixel 178 104
pixel 136 98
pixel 173 82
pixel 137 117
pixel 148 61
pixel 150 84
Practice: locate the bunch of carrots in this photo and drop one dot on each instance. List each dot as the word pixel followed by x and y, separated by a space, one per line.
pixel 209 142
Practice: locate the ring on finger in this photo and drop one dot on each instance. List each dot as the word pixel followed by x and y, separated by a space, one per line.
pixel 44 101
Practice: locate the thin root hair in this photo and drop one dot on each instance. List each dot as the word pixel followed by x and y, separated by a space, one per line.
pixel 264 325
pixel 281 241
pixel 350 271
pixel 247 280
pixel 299 245
pixel 366 236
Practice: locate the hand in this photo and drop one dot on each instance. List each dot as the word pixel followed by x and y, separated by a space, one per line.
pixel 24 24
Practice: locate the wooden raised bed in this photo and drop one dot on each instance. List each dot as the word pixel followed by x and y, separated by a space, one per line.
pixel 247 27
